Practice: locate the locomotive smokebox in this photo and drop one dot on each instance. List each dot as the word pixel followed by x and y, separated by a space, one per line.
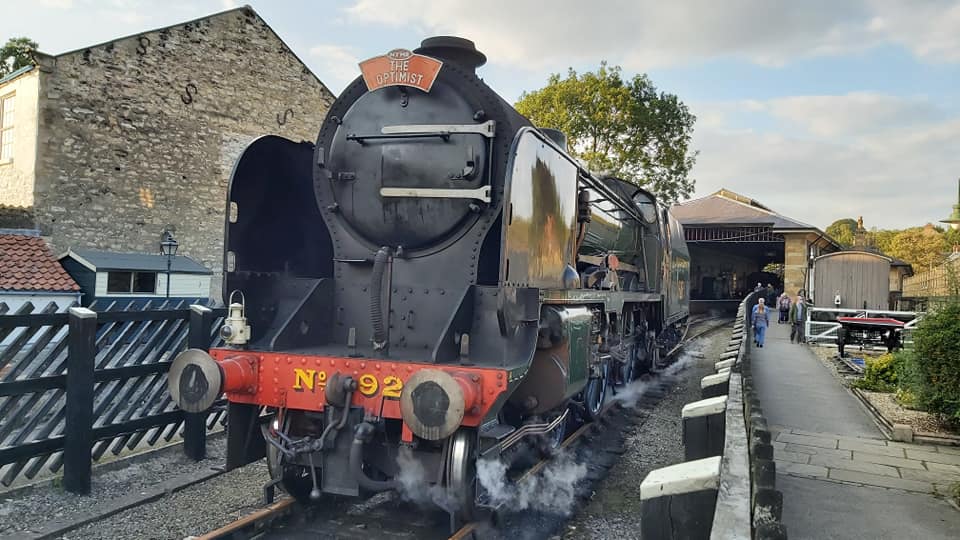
pixel 453 49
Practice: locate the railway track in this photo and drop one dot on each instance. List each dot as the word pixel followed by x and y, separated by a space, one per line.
pixel 385 516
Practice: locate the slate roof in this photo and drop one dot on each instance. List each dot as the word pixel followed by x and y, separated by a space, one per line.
pixel 728 208
pixel 102 261
pixel 26 264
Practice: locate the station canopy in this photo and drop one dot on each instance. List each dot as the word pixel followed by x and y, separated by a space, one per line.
pixel 736 242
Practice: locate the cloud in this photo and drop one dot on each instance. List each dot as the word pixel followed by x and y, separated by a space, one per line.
pixel 336 65
pixel 643 34
pixel 892 160
pixel 57 4
pixel 856 113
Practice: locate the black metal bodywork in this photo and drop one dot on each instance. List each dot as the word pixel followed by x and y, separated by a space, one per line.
pixel 442 227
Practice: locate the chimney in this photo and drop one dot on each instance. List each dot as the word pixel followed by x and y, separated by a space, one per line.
pixel 453 49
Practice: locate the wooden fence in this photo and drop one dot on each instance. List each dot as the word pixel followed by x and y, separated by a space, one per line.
pixel 77 384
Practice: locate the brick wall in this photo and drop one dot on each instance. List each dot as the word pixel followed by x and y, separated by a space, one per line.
pixel 142 133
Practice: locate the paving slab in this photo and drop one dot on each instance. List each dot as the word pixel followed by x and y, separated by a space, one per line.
pixel 814 451
pixel 859 513
pixel 794 457
pixel 935 457
pixel 936 477
pixel 891 451
pixel 855 466
pixel 881 481
pixel 901 463
pixel 934 466
pixel 805 440
pixel 786 467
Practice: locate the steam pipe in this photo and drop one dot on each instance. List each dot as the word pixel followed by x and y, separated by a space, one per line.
pixel 376 298
pixel 363 434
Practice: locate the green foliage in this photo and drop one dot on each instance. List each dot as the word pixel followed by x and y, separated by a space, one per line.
pixel 937 346
pixel 842 231
pixel 923 247
pixel 880 374
pixel 15 54
pixel 883 239
pixel 626 128
pixel 910 382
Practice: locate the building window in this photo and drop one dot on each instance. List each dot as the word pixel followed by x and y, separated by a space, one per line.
pixel 6 128
pixel 131 282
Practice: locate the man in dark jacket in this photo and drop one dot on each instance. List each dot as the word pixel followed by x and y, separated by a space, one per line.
pixel 797 318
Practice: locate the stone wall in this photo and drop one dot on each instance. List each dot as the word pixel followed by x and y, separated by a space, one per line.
pixel 142 133
pixel 795 263
pixel 16 175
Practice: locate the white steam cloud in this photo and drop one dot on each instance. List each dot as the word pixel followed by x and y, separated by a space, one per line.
pixel 629 395
pixel 417 488
pixel 553 490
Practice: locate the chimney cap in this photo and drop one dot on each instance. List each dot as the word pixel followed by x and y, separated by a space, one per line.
pixel 455 49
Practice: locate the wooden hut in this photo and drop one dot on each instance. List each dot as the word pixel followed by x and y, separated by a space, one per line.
pixel 861 277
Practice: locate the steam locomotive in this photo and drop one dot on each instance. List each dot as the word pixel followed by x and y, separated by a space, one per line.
pixel 435 276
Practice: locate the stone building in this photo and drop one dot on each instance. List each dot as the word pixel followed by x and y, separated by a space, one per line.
pixel 733 238
pixel 116 142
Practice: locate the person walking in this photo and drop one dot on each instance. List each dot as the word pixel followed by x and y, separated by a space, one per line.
pixel 798 312
pixel 760 317
pixel 783 305
pixel 770 295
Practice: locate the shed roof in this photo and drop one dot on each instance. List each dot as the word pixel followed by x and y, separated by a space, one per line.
pixel 27 265
pixel 103 261
pixel 728 208
pixel 893 260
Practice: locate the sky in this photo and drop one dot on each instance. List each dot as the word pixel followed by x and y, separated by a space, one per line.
pixel 820 109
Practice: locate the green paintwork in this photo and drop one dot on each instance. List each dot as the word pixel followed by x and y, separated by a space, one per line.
pixel 577 328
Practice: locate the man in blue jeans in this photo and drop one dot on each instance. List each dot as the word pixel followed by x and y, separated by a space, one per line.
pixel 760 317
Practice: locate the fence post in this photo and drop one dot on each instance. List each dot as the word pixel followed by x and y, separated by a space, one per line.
pixel 195 424
pixel 78 441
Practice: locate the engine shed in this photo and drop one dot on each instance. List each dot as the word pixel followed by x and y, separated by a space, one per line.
pixel 736 242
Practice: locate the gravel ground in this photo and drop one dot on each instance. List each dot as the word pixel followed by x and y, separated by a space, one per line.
pixel 896 413
pixel 194 510
pixel 614 510
pixel 828 357
pixel 191 512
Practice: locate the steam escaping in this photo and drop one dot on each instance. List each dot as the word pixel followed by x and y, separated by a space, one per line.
pixel 416 487
pixel 631 393
pixel 553 490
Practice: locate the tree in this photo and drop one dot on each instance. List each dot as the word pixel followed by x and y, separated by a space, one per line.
pixel 842 230
pixel 15 54
pixel 883 239
pixel 923 247
pixel 626 128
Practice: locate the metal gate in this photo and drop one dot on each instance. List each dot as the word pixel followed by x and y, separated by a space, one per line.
pixel 821 326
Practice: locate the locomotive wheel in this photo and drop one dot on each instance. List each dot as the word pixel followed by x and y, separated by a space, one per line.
pixel 461 473
pixel 594 395
pixel 628 370
pixel 553 440
pixel 294 479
